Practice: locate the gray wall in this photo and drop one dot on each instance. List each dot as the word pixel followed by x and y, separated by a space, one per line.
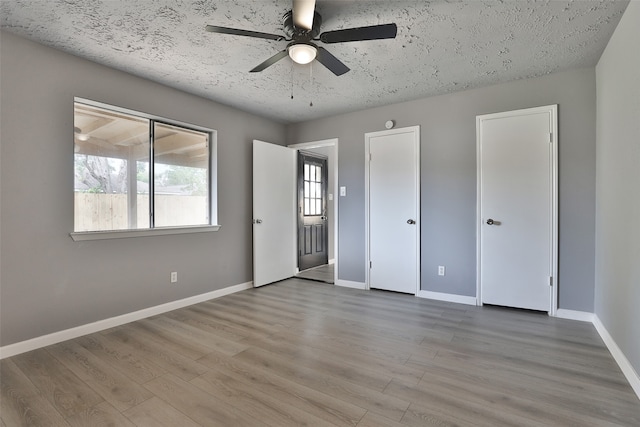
pixel 617 277
pixel 448 185
pixel 48 281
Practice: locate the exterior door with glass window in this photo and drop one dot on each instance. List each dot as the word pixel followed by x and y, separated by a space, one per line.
pixel 312 211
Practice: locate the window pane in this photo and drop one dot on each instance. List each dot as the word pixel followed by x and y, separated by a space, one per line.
pixel 318 190
pixel 318 207
pixel 107 148
pixel 306 207
pixel 306 172
pixel 306 189
pixel 312 176
pixel 181 176
pixel 318 173
pixel 143 205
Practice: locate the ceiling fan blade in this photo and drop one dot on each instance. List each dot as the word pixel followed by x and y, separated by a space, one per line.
pixel 331 62
pixel 269 62
pixel 373 32
pixel 247 33
pixel 303 12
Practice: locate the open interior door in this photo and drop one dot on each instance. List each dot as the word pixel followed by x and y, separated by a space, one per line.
pixel 274 213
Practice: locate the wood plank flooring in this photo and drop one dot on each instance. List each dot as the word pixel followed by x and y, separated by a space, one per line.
pixel 301 353
pixel 321 273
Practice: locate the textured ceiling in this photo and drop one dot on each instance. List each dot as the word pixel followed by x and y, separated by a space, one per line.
pixel 441 47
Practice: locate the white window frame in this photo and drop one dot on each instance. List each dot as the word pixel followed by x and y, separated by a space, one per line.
pixel 213 183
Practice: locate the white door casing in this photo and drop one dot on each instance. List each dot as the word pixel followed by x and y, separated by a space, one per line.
pixel 392 196
pixel 313 220
pixel 517 208
pixel 274 213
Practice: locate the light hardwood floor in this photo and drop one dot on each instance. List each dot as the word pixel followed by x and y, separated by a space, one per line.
pixel 322 273
pixel 303 353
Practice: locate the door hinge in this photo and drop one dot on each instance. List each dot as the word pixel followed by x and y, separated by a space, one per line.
pixel 370 264
pixel 370 156
pixel 550 138
pixel 550 280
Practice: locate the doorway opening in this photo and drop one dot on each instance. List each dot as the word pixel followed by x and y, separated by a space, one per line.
pixel 316 211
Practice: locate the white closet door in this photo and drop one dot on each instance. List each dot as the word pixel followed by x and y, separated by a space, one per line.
pixel 393 209
pixel 516 194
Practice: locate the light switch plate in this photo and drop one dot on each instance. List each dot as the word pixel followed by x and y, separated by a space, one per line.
pixel 343 191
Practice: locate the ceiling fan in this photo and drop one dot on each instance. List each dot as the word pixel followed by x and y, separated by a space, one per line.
pixel 302 28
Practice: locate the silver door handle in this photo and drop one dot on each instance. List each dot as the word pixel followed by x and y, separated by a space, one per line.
pixel 411 221
pixel 491 221
pixel 257 221
pixel 324 218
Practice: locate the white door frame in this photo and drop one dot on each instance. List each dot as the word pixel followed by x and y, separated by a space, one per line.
pixel 553 114
pixel 367 149
pixel 333 142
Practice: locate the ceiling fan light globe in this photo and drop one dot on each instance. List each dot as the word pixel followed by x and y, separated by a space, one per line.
pixel 302 53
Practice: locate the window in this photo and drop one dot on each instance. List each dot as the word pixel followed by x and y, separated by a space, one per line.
pixel 312 189
pixel 117 187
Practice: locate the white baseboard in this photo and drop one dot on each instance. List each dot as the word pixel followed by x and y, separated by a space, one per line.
pixel 625 366
pixel 350 284
pixel 100 325
pixel 618 355
pixel 440 296
pixel 583 316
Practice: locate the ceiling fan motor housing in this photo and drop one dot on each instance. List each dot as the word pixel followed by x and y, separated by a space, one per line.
pixel 301 34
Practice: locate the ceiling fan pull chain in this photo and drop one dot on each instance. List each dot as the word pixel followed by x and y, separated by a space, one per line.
pixel 291 80
pixel 311 82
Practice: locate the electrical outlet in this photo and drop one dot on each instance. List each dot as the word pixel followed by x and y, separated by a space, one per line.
pixel 441 270
pixel 174 277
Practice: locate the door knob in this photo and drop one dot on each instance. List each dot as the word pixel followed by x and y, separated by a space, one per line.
pixel 411 221
pixel 257 221
pixel 324 218
pixel 491 221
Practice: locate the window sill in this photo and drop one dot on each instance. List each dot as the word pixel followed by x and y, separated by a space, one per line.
pixel 125 234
